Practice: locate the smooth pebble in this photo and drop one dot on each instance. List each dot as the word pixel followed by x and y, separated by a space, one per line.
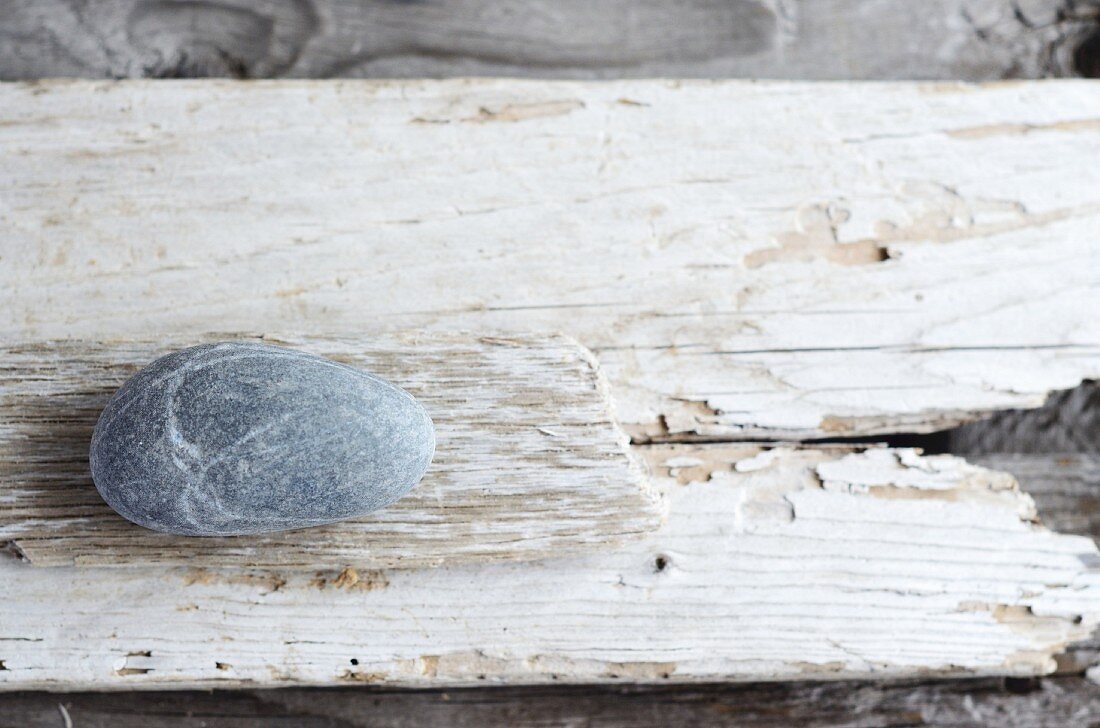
pixel 241 438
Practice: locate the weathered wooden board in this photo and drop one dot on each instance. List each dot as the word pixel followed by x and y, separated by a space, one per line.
pixel 836 39
pixel 1064 482
pixel 1066 487
pixel 776 563
pixel 529 462
pixel 1066 490
pixel 747 260
pixel 974 703
pixel 1065 494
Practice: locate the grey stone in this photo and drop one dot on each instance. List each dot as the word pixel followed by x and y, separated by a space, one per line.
pixel 239 438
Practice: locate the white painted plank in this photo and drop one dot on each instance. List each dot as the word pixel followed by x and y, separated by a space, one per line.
pixel 784 564
pixel 719 245
pixel 529 461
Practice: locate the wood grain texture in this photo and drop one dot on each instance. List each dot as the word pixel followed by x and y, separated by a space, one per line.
pixel 816 261
pixel 810 39
pixel 1065 486
pixel 1066 490
pixel 975 703
pixel 748 261
pixel 1052 451
pixel 773 563
pixel 529 462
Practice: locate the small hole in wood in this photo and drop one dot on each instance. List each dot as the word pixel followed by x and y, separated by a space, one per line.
pixel 354 661
pixel 660 563
pixel 3 667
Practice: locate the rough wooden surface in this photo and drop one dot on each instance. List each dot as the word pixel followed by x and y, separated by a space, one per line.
pixel 1047 703
pixel 786 564
pixel 1064 482
pixel 835 39
pixel 1066 490
pixel 529 462
pixel 819 261
pixel 1065 487
pixel 1016 703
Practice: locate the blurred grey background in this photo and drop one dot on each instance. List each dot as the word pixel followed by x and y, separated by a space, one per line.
pixel 784 39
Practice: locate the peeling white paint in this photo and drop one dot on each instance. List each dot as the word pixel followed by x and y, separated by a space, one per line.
pixel 846 583
pixel 723 254
pixel 122 202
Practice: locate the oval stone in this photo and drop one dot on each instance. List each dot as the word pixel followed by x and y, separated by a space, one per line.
pixel 238 438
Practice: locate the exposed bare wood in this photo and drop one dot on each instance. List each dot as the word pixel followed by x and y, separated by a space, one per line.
pixel 530 463
pixel 835 39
